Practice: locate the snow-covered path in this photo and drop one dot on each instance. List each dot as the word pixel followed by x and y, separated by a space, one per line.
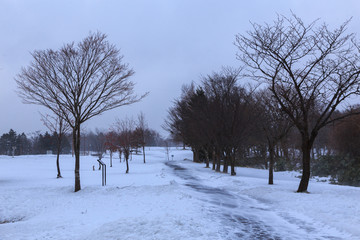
pixel 226 207
pixel 246 218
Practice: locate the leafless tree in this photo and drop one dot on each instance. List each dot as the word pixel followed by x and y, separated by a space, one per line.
pixel 56 124
pixel 78 82
pixel 274 123
pixel 215 119
pixel 125 131
pixel 141 128
pixel 311 70
pixel 111 144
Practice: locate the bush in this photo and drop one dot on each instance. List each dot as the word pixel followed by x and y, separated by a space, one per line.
pixel 280 165
pixel 326 165
pixel 342 169
pixel 349 175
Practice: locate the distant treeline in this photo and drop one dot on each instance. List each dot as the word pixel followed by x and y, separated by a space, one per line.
pixel 40 143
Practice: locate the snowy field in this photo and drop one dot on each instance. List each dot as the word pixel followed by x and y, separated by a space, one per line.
pixel 164 199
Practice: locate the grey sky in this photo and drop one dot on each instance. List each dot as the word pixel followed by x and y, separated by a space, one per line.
pixel 167 43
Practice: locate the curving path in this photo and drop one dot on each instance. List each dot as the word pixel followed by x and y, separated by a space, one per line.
pixel 244 217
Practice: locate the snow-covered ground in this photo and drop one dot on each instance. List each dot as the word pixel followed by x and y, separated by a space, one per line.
pixel 164 199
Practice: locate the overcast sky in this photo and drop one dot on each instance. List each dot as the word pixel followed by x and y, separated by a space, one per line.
pixel 167 43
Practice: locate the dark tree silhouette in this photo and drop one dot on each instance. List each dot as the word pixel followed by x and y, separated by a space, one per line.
pixel 232 114
pixel 215 119
pixel 78 82
pixel 183 120
pixel 345 137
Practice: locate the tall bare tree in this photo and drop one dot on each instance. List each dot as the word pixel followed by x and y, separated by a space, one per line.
pixel 57 125
pixel 78 82
pixel 311 70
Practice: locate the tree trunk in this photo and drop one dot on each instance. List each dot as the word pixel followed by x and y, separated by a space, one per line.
pixel 143 147
pixel 58 157
pixel 126 159
pixel 264 156
pixel 306 154
pixel 218 163
pixel 226 163
pixel 207 159
pixel 76 141
pixel 72 146
pixel 127 165
pixel 286 154
pixel 233 173
pixel 232 163
pixel 213 160
pixel 271 163
pixel 110 158
pixel 195 155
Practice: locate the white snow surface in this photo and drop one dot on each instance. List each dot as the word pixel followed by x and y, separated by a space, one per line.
pixel 162 199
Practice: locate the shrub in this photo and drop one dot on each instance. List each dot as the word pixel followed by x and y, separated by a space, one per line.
pixel 342 169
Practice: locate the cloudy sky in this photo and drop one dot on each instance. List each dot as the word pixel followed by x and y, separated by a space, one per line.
pixel 167 42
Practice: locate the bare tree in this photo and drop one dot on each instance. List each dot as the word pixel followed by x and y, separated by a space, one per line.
pixel 215 119
pixel 232 114
pixel 78 82
pixel 57 125
pixel 311 70
pixel 141 128
pixel 274 123
pixel 125 131
pixel 111 144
